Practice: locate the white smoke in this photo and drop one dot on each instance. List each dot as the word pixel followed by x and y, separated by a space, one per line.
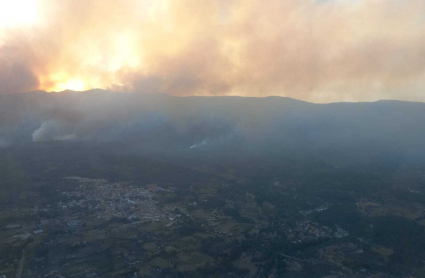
pixel 52 130
pixel 200 144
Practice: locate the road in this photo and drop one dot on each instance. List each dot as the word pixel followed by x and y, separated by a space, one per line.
pixel 21 264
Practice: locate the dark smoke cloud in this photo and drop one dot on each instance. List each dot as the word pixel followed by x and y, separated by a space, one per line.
pixel 16 72
pixel 17 78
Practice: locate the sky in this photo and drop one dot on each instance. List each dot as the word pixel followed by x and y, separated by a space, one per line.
pixel 313 50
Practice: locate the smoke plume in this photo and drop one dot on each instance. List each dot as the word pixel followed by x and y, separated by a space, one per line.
pixel 315 50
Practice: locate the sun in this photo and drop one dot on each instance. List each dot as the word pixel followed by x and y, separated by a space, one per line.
pixel 73 85
pixel 19 13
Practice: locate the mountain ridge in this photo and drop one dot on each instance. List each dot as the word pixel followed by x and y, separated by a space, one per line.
pixel 104 91
pixel 265 126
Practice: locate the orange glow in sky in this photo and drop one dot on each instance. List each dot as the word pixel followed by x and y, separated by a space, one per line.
pixel 320 51
pixel 73 84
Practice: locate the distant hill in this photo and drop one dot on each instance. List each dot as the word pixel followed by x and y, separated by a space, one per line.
pixel 263 126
